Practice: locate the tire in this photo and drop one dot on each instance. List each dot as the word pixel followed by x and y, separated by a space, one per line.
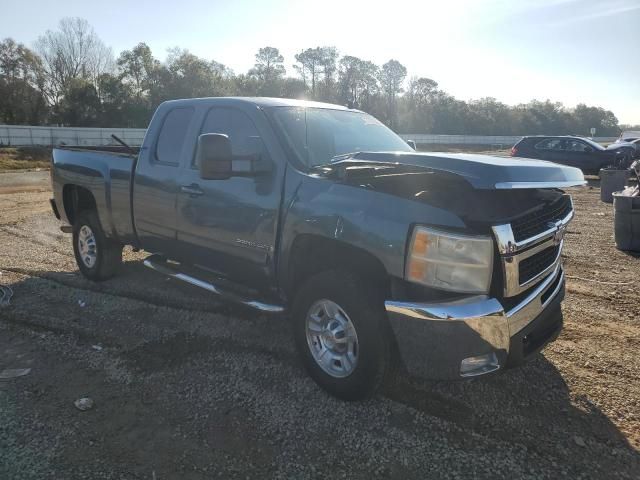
pixel 98 257
pixel 358 307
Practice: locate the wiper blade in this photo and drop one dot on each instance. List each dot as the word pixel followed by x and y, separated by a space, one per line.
pixel 335 159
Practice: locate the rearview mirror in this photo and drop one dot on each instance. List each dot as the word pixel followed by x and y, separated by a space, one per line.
pixel 213 156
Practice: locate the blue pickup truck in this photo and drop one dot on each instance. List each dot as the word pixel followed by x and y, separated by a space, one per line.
pixel 447 266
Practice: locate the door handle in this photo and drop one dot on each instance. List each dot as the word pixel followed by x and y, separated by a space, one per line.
pixel 192 190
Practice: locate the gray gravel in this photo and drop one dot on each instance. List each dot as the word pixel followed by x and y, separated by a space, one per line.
pixel 186 387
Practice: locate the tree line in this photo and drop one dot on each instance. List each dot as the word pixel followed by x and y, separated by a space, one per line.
pixel 70 77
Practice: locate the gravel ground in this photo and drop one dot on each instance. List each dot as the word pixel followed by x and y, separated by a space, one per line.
pixel 186 387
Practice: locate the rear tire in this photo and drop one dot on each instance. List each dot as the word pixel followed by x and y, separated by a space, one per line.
pixel 97 256
pixel 334 312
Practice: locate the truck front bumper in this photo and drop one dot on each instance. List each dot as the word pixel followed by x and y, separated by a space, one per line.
pixel 476 335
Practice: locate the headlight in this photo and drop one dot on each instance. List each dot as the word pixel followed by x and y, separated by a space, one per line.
pixel 449 261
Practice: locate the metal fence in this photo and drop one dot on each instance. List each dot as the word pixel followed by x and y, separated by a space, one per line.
pixel 21 135
pixel 505 141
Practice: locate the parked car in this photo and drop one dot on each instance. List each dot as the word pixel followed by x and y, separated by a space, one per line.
pixel 636 146
pixel 577 152
pixel 448 265
pixel 628 136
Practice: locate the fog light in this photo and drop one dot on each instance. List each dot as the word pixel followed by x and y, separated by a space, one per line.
pixel 472 366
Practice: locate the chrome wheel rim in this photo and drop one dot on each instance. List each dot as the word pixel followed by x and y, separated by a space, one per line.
pixel 87 246
pixel 332 338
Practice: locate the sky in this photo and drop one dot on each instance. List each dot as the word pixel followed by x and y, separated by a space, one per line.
pixel 572 51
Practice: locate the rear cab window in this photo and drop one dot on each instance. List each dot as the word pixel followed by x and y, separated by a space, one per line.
pixel 172 136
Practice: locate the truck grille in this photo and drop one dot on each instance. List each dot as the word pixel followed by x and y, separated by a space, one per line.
pixel 530 246
pixel 534 265
pixel 537 222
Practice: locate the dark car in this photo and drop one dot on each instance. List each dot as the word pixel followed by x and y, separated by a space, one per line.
pixel 579 152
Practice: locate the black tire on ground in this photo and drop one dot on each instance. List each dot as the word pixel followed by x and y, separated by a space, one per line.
pixel 364 307
pixel 108 253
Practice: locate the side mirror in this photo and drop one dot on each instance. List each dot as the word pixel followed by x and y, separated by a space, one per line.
pixel 588 149
pixel 412 144
pixel 213 155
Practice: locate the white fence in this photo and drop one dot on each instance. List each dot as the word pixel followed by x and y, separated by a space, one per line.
pixel 20 135
pixel 496 140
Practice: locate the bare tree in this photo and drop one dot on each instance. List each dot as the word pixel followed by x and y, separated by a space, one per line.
pixel 74 51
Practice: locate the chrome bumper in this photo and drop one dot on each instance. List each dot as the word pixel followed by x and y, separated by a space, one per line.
pixel 434 339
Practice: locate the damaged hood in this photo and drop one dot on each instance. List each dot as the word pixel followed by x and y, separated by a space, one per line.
pixel 483 172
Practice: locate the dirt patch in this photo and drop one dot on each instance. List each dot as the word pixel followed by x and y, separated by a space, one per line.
pixel 24 158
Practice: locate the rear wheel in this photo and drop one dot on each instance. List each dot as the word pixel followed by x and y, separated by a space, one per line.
pixel 341 334
pixel 97 256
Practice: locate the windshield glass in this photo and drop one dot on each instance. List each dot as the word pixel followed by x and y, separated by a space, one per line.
pixel 316 135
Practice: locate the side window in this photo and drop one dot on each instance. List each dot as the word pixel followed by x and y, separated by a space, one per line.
pixel 172 135
pixel 549 144
pixel 576 146
pixel 243 135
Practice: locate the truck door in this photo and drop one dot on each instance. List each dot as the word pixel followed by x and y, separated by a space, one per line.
pixel 155 181
pixel 229 226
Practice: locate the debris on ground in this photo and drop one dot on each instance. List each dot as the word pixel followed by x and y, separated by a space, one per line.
pixel 97 348
pixel 8 373
pixel 82 303
pixel 84 404
pixel 579 441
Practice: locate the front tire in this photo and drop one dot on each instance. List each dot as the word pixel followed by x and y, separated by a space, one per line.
pixel 97 256
pixel 342 335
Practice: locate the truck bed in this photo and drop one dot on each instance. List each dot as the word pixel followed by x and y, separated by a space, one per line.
pixel 106 173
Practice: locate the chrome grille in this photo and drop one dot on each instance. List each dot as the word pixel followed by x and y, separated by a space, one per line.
pixel 526 260
pixel 538 221
pixel 532 266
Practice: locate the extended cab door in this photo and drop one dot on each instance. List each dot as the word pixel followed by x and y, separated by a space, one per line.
pixel 155 186
pixel 229 226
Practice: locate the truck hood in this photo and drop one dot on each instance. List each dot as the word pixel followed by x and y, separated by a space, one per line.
pixel 482 172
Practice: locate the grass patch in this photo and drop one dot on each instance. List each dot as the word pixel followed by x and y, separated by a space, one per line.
pixel 19 158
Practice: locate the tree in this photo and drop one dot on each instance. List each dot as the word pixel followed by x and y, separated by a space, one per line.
pixel 391 78
pixel 80 105
pixel 137 68
pixel 604 121
pixel 72 52
pixel 356 79
pixel 269 65
pixel 187 76
pixel 21 82
pixel 309 61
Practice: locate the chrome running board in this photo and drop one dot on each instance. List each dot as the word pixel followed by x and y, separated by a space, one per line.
pixel 157 263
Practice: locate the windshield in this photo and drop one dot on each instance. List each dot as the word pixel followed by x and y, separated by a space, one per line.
pixel 316 135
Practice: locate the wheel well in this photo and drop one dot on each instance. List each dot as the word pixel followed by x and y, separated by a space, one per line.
pixel 77 199
pixel 311 254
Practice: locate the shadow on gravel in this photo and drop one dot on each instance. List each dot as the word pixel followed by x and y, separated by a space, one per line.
pixel 531 405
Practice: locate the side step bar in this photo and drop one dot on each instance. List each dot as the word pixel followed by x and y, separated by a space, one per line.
pixel 157 263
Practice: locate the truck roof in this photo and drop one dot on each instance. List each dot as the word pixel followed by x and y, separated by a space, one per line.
pixel 260 102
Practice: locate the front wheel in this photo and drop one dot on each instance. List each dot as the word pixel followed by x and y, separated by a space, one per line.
pixel 341 333
pixel 97 256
